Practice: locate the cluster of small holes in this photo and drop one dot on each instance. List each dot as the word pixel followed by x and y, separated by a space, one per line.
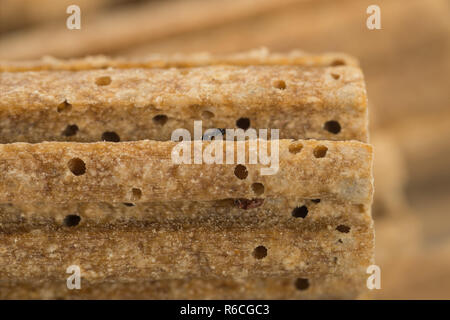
pixel 160 119
pixel 260 252
pixel 70 130
pixel 103 81
pixel 301 284
pixel 343 228
pixel 332 126
pixel 258 188
pixel 64 106
pixel 295 147
pixel 279 84
pixel 300 212
pixel 110 136
pixel 320 151
pixel 241 172
pixel 136 194
pixel 77 166
pixel 243 123
pixel 71 220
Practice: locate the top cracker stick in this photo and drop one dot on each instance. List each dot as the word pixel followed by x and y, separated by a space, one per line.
pixel 163 171
pixel 115 30
pixel 137 104
pixel 254 57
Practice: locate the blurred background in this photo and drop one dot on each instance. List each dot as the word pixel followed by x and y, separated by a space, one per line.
pixel 407 70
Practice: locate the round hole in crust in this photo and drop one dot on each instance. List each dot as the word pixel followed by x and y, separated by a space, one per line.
pixel 240 171
pixel 77 166
pixel 160 119
pixel 243 123
pixel 71 220
pixel 295 147
pixel 279 84
pixel 300 212
pixel 337 62
pixel 110 136
pixel 335 76
pixel 103 81
pixel 320 151
pixel 260 252
pixel 343 228
pixel 70 130
pixel 128 204
pixel 136 193
pixel 64 106
pixel 332 126
pixel 258 188
pixel 207 114
pixel 301 284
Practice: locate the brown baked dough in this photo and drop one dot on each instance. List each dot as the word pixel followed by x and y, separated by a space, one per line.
pixel 145 171
pixel 137 104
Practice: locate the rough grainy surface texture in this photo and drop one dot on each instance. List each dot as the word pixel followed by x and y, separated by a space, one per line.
pixel 254 57
pixel 145 171
pixel 139 104
pixel 323 287
pixel 336 242
pixel 93 214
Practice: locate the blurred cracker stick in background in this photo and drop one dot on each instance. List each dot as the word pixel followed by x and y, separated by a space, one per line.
pixel 260 56
pixel 390 177
pixel 424 142
pixel 32 12
pixel 393 61
pixel 333 244
pixel 110 31
pixel 146 171
pixel 135 104
pixel 423 275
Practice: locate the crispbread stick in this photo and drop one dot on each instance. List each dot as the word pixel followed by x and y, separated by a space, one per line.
pixel 253 57
pixel 118 29
pixel 336 244
pixel 147 171
pixel 17 216
pixel 323 287
pixel 136 104
pixel 390 177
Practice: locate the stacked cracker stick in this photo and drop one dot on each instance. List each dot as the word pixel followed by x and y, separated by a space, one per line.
pixel 146 219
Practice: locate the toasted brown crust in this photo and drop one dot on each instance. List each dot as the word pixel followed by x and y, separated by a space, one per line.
pixel 337 242
pixel 323 287
pixel 253 57
pixel 145 171
pixel 26 216
pixel 299 101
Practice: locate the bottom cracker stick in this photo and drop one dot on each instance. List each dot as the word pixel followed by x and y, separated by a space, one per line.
pixel 322 287
pixel 325 242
